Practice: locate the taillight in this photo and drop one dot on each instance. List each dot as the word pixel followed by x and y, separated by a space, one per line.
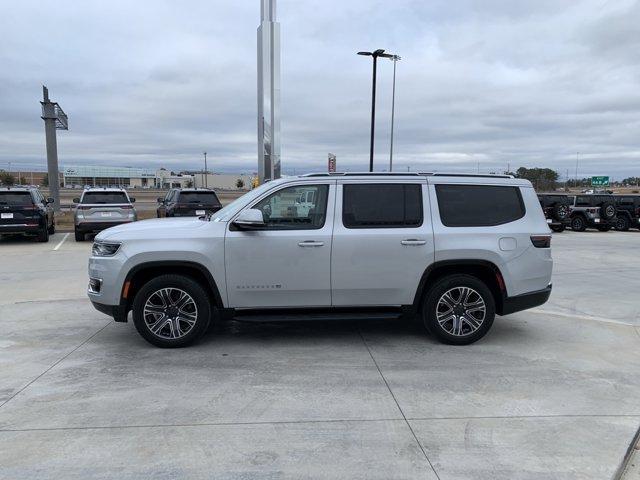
pixel 541 241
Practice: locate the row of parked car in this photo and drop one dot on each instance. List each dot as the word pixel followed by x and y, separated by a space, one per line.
pixel 24 210
pixel 600 211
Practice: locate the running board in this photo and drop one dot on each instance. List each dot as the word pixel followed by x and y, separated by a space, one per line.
pixel 314 316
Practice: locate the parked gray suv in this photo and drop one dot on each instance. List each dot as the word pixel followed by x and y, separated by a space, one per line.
pixel 453 250
pixel 102 208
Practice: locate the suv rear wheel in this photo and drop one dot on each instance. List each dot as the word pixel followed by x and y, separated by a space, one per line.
pixel 79 236
pixel 459 309
pixel 557 228
pixel 171 311
pixel 43 234
pixel 52 228
pixel 578 224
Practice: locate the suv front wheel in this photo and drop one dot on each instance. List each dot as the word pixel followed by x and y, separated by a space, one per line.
pixel 171 311
pixel 458 309
pixel 578 224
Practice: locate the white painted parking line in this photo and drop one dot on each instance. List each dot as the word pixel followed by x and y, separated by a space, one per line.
pixel 61 242
pixel 581 317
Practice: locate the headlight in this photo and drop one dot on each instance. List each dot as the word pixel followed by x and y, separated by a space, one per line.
pixel 103 249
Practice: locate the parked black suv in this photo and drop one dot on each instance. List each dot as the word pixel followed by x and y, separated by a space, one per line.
pixel 593 211
pixel 24 210
pixel 556 208
pixel 188 202
pixel 628 211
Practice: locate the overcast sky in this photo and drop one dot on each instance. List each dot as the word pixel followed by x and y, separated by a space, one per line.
pixel 155 83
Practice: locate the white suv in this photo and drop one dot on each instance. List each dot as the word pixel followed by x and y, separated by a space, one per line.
pixel 453 249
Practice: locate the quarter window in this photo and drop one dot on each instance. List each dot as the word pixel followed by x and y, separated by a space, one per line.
pixel 478 205
pixel 382 205
pixel 302 207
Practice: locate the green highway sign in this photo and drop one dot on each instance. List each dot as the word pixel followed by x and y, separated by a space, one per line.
pixel 600 181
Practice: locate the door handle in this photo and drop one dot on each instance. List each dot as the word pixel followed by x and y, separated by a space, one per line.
pixel 310 243
pixel 413 241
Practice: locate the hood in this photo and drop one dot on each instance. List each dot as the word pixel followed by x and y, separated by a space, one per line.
pixel 155 228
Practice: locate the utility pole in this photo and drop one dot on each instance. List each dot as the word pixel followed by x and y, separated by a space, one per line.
pixel 206 173
pixel 395 59
pixel 54 119
pixel 577 153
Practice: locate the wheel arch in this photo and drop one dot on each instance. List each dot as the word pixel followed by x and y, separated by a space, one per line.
pixel 484 270
pixel 143 272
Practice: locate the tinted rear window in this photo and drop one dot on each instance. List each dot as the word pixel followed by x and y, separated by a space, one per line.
pixel 105 197
pixel 15 198
pixel 199 197
pixel 382 205
pixel 478 205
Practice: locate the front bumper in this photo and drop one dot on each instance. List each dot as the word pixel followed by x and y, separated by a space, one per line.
pixel 518 303
pixel 118 312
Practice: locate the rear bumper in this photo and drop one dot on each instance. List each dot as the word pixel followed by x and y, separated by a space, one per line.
pixel 87 227
pixel 117 312
pixel 524 301
pixel 19 228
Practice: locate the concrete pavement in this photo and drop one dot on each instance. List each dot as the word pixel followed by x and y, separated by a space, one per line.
pixel 544 395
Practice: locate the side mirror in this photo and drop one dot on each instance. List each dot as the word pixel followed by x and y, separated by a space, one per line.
pixel 132 199
pixel 76 200
pixel 249 219
pixel 160 200
pixel 50 200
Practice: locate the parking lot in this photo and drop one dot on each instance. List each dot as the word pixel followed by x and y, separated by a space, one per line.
pixel 548 393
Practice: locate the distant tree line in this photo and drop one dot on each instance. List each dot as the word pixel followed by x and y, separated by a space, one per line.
pixel 542 179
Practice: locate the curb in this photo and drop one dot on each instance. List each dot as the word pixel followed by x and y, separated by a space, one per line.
pixel 627 456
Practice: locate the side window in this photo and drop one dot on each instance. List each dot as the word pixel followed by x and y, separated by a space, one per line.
pixel 479 205
pixel 170 196
pixel 582 202
pixel 380 205
pixel 291 209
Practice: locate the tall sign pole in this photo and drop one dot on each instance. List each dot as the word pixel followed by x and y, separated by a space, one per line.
pixel 54 119
pixel 268 93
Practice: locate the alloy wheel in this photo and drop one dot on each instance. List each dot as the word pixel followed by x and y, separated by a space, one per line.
pixel 170 313
pixel 460 311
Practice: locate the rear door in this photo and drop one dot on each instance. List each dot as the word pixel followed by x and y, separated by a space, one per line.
pixel 105 206
pixel 17 209
pixel 382 241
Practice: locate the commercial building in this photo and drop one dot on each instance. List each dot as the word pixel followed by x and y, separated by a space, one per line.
pixel 94 175
pixel 223 181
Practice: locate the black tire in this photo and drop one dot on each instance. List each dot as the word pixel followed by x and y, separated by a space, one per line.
pixel 432 304
pixel 557 228
pixel 79 236
pixel 201 312
pixel 52 228
pixel 604 228
pixel 43 235
pixel 607 211
pixel 622 224
pixel 578 224
pixel 560 211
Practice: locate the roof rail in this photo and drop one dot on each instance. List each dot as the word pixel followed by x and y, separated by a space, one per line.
pixel 477 175
pixel 359 174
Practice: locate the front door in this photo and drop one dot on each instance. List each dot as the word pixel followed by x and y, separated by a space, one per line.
pixel 286 262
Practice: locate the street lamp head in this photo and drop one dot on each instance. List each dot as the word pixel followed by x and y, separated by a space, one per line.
pixel 378 52
pixel 365 53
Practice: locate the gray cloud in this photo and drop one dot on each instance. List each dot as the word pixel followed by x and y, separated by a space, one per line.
pixel 156 83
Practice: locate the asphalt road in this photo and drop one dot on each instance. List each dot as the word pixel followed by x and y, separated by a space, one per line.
pixel 549 393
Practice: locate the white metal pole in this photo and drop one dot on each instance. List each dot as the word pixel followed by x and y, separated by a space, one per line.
pixel 393 109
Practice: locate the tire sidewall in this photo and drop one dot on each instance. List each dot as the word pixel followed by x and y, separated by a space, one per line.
pixel 434 294
pixel 622 224
pixel 578 224
pixel 190 286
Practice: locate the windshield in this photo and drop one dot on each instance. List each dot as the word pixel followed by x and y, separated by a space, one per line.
pixel 104 197
pixel 15 198
pixel 225 213
pixel 199 197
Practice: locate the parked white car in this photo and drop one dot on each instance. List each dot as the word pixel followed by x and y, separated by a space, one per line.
pixel 453 249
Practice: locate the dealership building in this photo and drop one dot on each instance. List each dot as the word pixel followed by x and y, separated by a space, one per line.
pixel 123 176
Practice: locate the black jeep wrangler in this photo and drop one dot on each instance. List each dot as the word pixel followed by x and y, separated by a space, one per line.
pixel 628 212
pixel 556 208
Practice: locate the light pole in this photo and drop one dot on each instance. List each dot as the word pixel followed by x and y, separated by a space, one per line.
pixel 576 184
pixel 205 170
pixel 375 54
pixel 395 59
